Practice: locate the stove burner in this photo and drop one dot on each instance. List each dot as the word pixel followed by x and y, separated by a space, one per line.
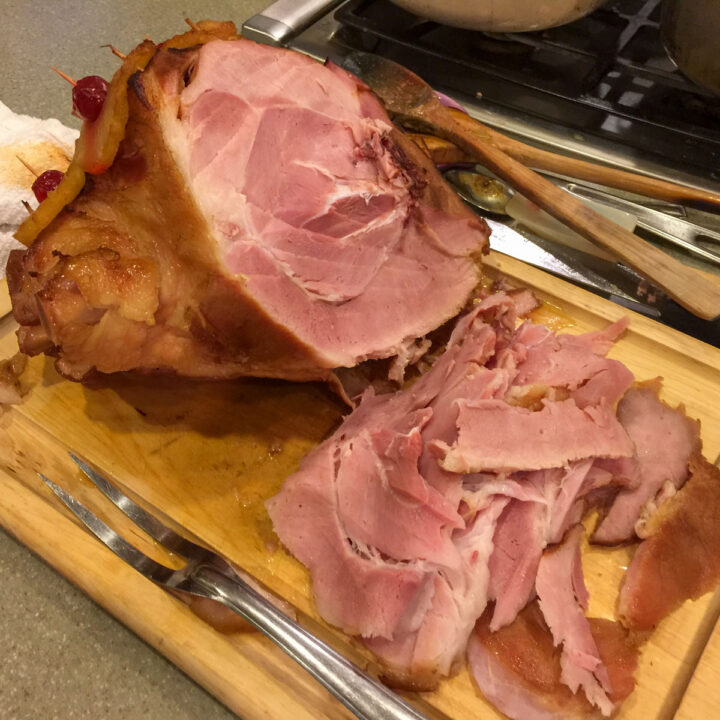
pixel 606 74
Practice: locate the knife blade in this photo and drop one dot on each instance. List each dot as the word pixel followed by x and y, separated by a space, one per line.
pixel 510 242
pixel 677 231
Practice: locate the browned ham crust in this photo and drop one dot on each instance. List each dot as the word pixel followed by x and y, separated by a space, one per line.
pixel 248 227
pixel 680 558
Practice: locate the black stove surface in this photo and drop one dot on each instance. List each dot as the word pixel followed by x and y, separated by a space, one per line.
pixel 606 74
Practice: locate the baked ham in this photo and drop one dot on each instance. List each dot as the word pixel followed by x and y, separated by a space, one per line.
pixel 406 551
pixel 262 217
pixel 519 670
pixel 665 439
pixel 680 558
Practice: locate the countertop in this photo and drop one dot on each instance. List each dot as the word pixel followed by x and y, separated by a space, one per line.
pixel 61 656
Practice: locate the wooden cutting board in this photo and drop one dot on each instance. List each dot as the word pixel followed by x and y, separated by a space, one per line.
pixel 207 455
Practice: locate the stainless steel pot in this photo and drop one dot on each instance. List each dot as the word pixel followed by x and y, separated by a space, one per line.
pixel 501 15
pixel 690 30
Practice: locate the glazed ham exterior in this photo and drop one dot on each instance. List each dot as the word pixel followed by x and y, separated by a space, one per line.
pixel 680 558
pixel 262 217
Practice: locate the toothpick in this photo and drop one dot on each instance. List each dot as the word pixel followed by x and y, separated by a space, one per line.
pixel 192 25
pixel 115 51
pixel 27 206
pixel 63 75
pixel 28 166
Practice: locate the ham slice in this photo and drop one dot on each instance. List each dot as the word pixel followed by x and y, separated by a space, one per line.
pixel 496 436
pixel 680 558
pixel 664 440
pixel 568 360
pixel 563 597
pixel 262 217
pixel 404 549
pixel 518 668
pixel 526 527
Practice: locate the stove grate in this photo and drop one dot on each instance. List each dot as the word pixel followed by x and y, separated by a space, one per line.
pixel 606 74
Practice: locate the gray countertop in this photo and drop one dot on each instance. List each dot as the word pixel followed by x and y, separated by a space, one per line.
pixel 61 656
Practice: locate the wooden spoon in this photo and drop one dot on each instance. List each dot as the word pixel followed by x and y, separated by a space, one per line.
pixel 442 151
pixel 411 101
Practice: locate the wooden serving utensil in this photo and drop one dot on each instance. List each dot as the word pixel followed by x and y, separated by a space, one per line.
pixel 412 102
pixel 443 151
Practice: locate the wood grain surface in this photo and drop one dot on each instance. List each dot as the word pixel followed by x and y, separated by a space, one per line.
pixel 538 159
pixel 5 306
pixel 207 455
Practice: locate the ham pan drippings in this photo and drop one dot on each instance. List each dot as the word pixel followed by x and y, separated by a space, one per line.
pixel 262 217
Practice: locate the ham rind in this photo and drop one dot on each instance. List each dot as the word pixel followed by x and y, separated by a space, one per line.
pixel 664 439
pixel 493 435
pixel 680 558
pixel 518 669
pixel 562 597
pixel 263 217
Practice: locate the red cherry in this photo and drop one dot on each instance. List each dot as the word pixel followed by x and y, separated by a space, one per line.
pixel 46 183
pixel 88 96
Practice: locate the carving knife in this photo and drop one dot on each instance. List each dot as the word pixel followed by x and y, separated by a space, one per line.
pixel 510 242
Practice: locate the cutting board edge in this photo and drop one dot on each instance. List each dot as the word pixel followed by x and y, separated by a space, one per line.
pixel 210 670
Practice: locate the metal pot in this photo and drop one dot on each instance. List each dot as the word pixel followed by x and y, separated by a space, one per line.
pixel 690 30
pixel 501 15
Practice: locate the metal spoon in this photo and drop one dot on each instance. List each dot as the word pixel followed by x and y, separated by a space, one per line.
pixel 485 192
pixel 494 196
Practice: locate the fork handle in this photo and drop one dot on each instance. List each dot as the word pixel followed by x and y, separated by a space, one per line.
pixel 367 698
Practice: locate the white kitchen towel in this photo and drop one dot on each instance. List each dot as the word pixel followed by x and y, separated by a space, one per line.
pixel 43 145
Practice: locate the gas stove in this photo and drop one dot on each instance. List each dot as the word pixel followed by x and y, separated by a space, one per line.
pixel 601 89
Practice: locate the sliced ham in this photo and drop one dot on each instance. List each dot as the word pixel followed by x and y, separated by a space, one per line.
pixel 467 489
pixel 523 531
pixel 404 548
pixel 680 557
pixel 496 436
pixel 664 440
pixel 563 597
pixel 518 668
pixel 262 217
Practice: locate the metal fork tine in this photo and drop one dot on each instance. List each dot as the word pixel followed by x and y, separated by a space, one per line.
pixel 150 524
pixel 363 695
pixel 122 548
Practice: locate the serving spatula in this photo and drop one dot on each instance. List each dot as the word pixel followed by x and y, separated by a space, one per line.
pixel 413 103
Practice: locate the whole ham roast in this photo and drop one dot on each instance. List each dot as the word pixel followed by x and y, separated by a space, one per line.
pixel 244 210
pixel 262 216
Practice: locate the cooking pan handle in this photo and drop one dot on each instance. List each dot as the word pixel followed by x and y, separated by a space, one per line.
pixel 284 19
